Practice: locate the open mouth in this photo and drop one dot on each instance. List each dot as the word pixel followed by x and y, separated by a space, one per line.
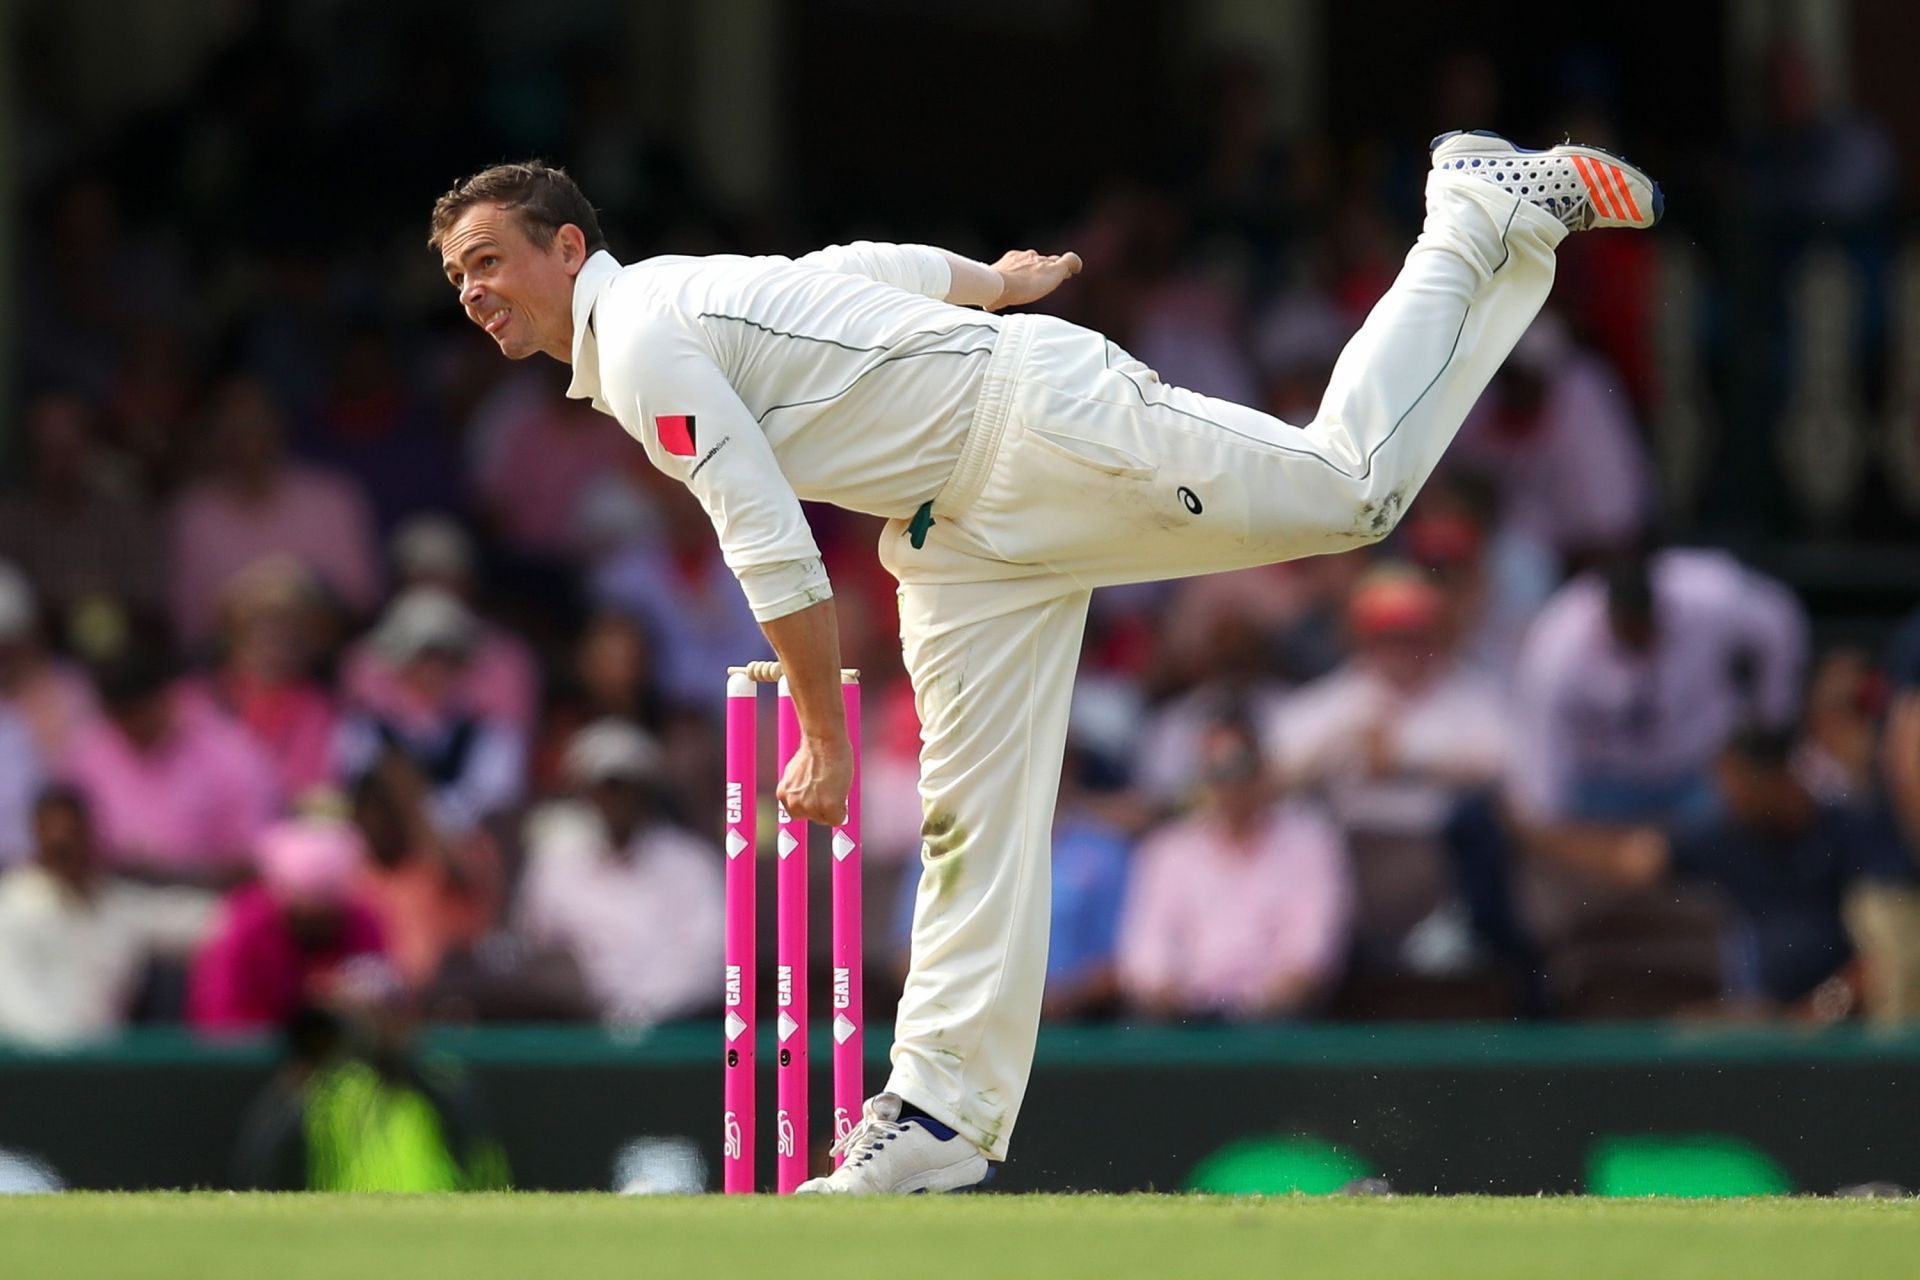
pixel 497 321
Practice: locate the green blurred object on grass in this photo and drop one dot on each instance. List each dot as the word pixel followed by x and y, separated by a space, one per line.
pixel 1277 1166
pixel 1689 1166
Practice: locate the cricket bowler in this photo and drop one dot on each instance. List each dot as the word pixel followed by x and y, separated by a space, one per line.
pixel 1019 461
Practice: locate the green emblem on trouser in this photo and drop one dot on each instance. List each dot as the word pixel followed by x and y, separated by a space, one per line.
pixel 921 522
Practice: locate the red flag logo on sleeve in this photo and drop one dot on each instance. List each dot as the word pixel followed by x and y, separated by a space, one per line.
pixel 676 433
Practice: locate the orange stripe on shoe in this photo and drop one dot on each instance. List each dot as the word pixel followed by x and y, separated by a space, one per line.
pixel 1620 185
pixel 1595 192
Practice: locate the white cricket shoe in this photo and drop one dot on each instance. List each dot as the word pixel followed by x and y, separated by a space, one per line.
pixel 886 1155
pixel 1584 187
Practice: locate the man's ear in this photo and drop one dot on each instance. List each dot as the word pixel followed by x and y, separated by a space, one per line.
pixel 573 247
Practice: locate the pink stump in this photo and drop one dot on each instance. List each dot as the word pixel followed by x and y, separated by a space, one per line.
pixel 849 1025
pixel 790 943
pixel 741 800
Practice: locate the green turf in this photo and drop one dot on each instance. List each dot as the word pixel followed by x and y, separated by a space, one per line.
pixel 216 1236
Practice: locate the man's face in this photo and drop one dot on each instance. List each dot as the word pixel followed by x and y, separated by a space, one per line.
pixel 1752 794
pixel 1403 658
pixel 1633 628
pixel 64 843
pixel 519 293
pixel 622 803
pixel 146 720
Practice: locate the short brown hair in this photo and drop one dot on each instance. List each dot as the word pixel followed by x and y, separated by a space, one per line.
pixel 543 195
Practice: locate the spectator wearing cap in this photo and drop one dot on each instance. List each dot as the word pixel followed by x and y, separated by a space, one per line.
pixel 256 502
pixel 75 940
pixel 1554 431
pixel 637 901
pixel 78 526
pixel 475 763
pixel 1392 740
pixel 270 621
pixel 179 791
pixel 1240 910
pixel 51 698
pixel 283 942
pixel 500 680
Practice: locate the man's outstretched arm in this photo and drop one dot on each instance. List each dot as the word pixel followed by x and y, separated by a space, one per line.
pixel 817 780
pixel 1019 277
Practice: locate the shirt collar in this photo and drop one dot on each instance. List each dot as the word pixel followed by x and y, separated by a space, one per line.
pixel 595 274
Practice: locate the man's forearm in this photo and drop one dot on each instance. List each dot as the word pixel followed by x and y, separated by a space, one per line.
pixel 807 642
pixel 1630 857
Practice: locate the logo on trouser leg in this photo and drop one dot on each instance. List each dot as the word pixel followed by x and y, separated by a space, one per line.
pixel 1190 500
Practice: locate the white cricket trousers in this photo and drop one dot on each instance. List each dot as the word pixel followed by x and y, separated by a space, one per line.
pixel 1083 469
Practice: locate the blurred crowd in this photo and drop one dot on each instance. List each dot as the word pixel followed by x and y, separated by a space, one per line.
pixel 331 644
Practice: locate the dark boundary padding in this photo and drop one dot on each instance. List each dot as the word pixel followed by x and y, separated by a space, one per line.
pixel 1505 1110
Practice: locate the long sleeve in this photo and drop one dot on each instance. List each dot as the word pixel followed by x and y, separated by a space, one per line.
pixel 1771 631
pixel 917 268
pixel 696 429
pixel 1540 766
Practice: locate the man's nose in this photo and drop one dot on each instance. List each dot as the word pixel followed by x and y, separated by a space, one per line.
pixel 470 296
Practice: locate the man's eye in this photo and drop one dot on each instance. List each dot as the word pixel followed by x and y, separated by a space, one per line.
pixel 488 261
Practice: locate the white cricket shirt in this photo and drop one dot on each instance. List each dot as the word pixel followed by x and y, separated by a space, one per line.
pixel 838 377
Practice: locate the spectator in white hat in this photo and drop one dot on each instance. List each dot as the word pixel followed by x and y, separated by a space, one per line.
pixel 475 762
pixel 637 901
pixel 501 680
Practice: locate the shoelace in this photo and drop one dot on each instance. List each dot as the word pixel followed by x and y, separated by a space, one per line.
pixel 865 1138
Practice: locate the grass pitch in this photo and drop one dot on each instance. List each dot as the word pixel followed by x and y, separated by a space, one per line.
pixel 214 1236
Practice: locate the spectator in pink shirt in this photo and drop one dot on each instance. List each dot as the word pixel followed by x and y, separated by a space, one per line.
pixel 179 791
pixel 1392 741
pixel 500 679
pixel 1239 911
pixel 257 502
pixel 264 679
pixel 536 456
pixel 281 943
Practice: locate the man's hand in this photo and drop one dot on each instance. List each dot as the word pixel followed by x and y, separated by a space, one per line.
pixel 817 781
pixel 1027 276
